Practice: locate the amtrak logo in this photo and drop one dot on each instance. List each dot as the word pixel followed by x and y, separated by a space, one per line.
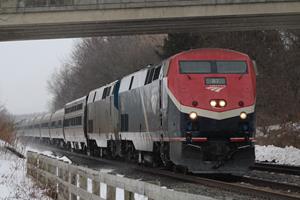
pixel 215 88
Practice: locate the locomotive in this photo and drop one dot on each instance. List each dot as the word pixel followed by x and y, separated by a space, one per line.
pixel 195 110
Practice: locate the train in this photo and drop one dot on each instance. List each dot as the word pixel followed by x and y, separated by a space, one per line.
pixel 194 111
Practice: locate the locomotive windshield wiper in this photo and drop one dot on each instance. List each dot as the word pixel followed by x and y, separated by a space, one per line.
pixel 241 76
pixel 189 77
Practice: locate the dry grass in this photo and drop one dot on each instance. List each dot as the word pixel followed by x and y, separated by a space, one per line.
pixel 6 126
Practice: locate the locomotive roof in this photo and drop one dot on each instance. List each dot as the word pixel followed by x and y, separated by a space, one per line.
pixel 211 51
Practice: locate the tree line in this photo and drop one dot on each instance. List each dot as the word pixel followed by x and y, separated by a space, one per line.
pixel 98 61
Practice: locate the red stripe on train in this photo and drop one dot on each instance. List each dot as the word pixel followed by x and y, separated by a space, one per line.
pixel 241 139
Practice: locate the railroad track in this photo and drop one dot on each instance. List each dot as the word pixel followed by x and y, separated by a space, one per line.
pixel 255 189
pixel 285 169
pixel 257 182
pixel 237 184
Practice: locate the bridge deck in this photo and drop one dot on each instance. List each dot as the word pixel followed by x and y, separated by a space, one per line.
pixel 24 19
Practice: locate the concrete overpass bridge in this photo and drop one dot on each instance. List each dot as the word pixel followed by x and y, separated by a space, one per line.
pixel 45 19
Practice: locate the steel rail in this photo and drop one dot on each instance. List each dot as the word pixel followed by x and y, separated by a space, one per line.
pixel 285 169
pixel 259 182
pixel 239 188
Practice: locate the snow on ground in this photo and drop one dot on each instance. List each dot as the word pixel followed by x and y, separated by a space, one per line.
pixel 285 156
pixel 49 154
pixel 14 185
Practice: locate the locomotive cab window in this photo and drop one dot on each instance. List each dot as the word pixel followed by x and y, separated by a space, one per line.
pixel 213 67
pixel 195 67
pixel 231 67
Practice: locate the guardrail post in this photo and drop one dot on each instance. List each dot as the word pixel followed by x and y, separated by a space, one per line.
pixel 63 193
pixel 82 182
pixel 41 178
pixel 96 187
pixel 129 195
pixel 73 179
pixel 111 193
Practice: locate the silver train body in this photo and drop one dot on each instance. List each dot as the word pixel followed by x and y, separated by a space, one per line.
pixel 137 119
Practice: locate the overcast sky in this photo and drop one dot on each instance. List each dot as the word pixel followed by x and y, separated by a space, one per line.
pixel 25 67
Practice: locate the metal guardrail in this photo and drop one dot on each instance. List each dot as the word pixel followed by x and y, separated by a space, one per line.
pixel 67 182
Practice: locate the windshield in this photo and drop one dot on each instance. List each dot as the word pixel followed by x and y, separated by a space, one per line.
pixel 213 67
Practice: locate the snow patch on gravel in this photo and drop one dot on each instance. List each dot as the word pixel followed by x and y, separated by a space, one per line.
pixel 286 156
pixel 50 154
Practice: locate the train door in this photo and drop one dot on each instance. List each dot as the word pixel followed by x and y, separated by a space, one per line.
pixel 164 104
pixel 115 108
pixel 116 94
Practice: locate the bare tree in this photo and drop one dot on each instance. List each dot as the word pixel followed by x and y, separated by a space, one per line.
pixel 98 61
pixel 6 125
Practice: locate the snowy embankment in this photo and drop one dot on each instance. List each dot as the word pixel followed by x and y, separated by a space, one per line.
pixel 14 185
pixel 49 154
pixel 284 156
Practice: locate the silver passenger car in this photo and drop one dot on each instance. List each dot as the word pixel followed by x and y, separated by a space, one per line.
pixel 34 127
pixel 103 115
pixel 74 123
pixel 44 124
pixel 56 126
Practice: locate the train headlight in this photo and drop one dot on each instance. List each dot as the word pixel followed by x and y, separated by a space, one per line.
pixel 243 115
pixel 193 115
pixel 222 103
pixel 213 103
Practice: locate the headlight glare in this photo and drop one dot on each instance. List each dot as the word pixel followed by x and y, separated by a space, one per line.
pixel 213 103
pixel 222 103
pixel 243 115
pixel 193 115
